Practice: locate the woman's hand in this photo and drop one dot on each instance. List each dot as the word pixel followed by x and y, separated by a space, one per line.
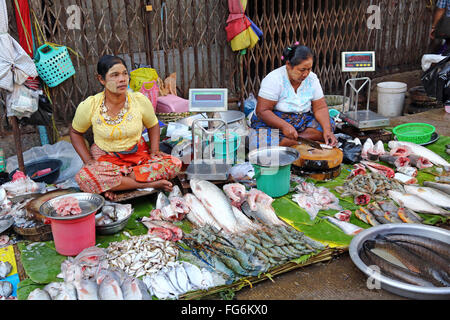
pixel 329 138
pixel 158 154
pixel 289 132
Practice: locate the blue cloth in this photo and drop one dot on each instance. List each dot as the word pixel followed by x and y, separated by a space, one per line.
pixel 444 4
pixel 300 121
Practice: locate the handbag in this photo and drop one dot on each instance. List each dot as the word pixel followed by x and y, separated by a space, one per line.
pixel 443 28
pixel 150 92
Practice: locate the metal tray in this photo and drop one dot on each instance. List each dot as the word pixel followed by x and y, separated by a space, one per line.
pixel 273 156
pixel 114 227
pixel 6 223
pixel 398 287
pixel 89 203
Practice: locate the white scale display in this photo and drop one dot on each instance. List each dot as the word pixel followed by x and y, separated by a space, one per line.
pixel 354 62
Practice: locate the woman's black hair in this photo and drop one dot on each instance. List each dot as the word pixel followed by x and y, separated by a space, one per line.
pixel 296 54
pixel 107 62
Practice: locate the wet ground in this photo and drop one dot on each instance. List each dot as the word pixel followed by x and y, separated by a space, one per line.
pixel 338 279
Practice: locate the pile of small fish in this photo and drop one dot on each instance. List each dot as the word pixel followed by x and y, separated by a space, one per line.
pixel 313 199
pixel 113 212
pixel 415 259
pixel 87 277
pixel 177 278
pixel 19 213
pixel 250 254
pixel 365 187
pixel 384 212
pixel 141 255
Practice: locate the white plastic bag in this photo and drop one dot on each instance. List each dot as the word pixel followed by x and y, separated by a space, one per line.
pixel 22 102
pixel 62 150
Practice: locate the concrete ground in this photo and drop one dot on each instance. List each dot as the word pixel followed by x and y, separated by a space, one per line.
pixel 338 279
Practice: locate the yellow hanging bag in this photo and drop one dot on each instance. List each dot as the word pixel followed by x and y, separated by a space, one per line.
pixel 141 75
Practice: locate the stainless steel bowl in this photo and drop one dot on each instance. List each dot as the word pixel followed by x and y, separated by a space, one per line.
pixel 398 287
pixel 112 227
pixel 89 203
pixel 273 156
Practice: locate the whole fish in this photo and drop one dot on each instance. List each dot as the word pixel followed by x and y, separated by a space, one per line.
pixel 39 294
pixel 194 274
pixel 264 213
pixel 415 203
pixel 6 289
pixel 199 213
pixel 216 202
pixel 439 186
pixel 162 287
pixel 409 216
pixel 245 224
pixel 5 269
pixel 347 227
pixel 413 262
pixel 135 289
pixel 109 289
pixel 86 289
pixel 421 151
pixel 431 195
pixel 392 270
pixel 437 246
pixel 427 255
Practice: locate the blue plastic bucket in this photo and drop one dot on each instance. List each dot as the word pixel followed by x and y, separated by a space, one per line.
pixel 220 147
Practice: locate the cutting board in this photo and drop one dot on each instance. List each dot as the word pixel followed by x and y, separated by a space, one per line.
pixel 316 159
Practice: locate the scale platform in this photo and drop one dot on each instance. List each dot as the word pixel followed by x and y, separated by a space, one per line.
pixel 208 171
pixel 365 119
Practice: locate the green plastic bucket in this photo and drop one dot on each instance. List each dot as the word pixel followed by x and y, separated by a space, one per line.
pixel 220 148
pixel 274 181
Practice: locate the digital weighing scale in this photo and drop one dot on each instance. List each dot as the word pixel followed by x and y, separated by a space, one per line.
pixel 354 62
pixel 205 166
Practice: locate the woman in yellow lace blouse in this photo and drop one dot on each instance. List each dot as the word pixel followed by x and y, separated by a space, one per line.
pixel 120 159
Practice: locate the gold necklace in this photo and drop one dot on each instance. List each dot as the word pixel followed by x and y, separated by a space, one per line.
pixel 118 119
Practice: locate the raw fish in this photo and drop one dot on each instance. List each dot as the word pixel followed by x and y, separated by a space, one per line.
pixel 415 203
pixel 216 202
pixel 39 294
pixel 366 147
pixel 199 213
pixel 236 192
pixel 135 289
pixel 421 151
pixel 431 195
pixel 347 227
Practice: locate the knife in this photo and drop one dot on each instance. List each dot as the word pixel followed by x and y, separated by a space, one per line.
pixel 310 143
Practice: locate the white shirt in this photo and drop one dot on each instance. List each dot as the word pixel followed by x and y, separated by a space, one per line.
pixel 277 87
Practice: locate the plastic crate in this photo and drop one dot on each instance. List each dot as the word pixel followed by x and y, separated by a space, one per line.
pixel 53 64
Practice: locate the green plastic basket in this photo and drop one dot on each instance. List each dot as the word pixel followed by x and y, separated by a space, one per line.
pixel 414 132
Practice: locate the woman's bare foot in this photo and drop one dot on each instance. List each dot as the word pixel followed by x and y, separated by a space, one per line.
pixel 161 184
pixel 110 195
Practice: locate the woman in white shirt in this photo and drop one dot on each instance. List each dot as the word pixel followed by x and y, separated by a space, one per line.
pixel 291 104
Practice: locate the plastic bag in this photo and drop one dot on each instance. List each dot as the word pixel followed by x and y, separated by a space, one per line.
pixel 22 102
pixel 43 115
pixel 351 150
pixel 150 89
pixel 435 80
pixel 249 104
pixel 141 75
pixel 61 150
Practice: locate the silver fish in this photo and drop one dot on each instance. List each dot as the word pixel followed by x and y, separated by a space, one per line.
pixel 5 269
pixel 421 151
pixel 39 294
pixel 415 203
pixel 135 289
pixel 216 202
pixel 86 289
pixel 346 227
pixel 109 289
pixel 6 289
pixel 439 186
pixel 431 195
pixel 199 213
pixel 264 213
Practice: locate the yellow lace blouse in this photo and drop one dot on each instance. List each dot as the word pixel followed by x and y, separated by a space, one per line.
pixel 124 135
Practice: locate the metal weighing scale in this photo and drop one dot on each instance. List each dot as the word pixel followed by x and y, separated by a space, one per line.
pixel 354 62
pixel 204 165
